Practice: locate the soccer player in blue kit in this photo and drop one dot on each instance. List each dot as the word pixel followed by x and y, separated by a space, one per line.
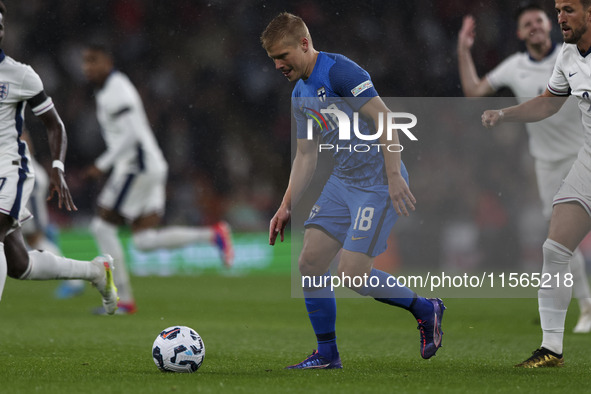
pixel 374 182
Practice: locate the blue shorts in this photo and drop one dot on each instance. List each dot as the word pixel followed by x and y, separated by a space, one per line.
pixel 360 218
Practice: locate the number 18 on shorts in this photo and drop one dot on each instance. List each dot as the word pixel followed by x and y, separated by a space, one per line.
pixel 360 218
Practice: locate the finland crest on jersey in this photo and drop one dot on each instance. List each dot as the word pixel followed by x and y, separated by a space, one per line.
pixel 4 90
pixel 314 211
pixel 321 93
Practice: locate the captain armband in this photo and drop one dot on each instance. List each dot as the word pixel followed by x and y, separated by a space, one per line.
pixel 40 103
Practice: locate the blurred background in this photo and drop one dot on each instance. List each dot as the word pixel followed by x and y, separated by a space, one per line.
pixel 221 113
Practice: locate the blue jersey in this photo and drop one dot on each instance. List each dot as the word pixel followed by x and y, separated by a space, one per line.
pixel 337 80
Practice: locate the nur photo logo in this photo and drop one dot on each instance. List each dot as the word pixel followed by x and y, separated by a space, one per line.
pixel 332 118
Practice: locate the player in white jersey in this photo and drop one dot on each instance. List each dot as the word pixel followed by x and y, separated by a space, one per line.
pixel 571 215
pixel 555 142
pixel 135 190
pixel 20 85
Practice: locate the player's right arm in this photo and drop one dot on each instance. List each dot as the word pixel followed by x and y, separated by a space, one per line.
pixel 472 85
pixel 540 107
pixel 534 110
pixel 302 171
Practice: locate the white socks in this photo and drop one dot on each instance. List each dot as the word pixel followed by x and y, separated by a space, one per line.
pixel 171 237
pixel 44 244
pixel 108 242
pixel 3 269
pixel 46 265
pixel 553 300
pixel 581 282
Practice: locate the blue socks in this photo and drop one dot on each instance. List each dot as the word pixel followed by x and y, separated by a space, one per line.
pixel 322 307
pixel 322 311
pixel 390 292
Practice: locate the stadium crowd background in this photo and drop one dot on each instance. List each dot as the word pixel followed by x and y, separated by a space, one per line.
pixel 221 113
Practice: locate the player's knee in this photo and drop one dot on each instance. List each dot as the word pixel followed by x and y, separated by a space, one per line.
pixel 18 267
pixel 17 255
pixel 145 240
pixel 553 248
pixel 5 226
pixel 555 252
pixel 309 266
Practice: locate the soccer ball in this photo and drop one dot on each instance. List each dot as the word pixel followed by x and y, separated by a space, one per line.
pixel 178 349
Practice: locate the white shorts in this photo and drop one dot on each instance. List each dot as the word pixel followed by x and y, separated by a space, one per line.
pixel 576 186
pixel 38 202
pixel 133 195
pixel 16 186
pixel 550 175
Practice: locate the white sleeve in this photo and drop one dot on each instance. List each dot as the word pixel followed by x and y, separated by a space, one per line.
pixel 125 121
pixel 32 87
pixel 501 75
pixel 119 100
pixel 121 109
pixel 558 84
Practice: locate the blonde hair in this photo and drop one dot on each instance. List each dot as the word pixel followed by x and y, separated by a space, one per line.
pixel 285 27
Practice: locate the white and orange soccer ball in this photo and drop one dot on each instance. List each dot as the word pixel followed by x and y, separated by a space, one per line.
pixel 178 349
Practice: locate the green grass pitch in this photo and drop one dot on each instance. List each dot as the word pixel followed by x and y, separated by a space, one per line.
pixel 252 329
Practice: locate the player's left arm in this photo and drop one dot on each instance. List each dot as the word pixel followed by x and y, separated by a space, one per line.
pixel 399 191
pixel 58 143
